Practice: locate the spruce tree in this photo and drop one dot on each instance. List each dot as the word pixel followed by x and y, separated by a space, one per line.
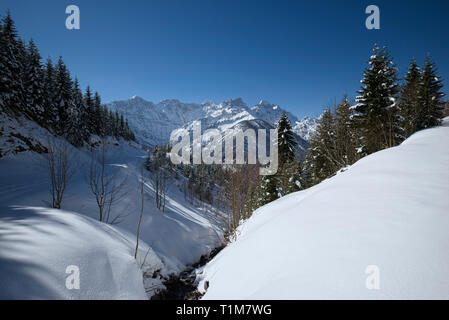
pixel 64 95
pixel 33 84
pixel 409 99
pixel 51 117
pixel 90 108
pixel 320 162
pixel 267 191
pixel 10 67
pixel 98 116
pixel 376 111
pixel 286 140
pixel 430 110
pixel 345 134
pixel 83 118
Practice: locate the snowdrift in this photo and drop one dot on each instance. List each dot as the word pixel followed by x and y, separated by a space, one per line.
pixel 39 246
pixel 379 230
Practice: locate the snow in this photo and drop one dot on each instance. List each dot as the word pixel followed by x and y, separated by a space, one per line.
pixel 153 123
pixel 307 127
pixel 170 240
pixel 388 212
pixel 39 244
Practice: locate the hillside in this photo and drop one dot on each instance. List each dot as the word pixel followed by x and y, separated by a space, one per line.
pixel 37 243
pixel 388 212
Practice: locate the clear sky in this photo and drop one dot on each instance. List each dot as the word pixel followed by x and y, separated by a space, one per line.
pixel 301 55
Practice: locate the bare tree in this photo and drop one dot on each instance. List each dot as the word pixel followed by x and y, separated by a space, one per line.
pixel 142 202
pixel 60 165
pixel 240 192
pixel 161 173
pixel 105 185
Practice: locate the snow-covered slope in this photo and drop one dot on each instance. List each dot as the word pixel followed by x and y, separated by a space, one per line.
pixel 153 123
pixel 386 218
pixel 177 237
pixel 40 247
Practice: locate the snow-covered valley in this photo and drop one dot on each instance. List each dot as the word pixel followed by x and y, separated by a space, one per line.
pixel 38 244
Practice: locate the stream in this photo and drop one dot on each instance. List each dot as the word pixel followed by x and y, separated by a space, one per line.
pixel 182 286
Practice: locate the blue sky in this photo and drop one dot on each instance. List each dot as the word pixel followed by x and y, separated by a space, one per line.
pixel 301 55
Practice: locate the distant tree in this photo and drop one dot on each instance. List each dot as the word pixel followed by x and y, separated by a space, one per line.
pixel 409 99
pixel 98 116
pixel 90 107
pixel 430 97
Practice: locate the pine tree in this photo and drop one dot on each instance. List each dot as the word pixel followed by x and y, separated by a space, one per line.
pixel 82 115
pixel 90 107
pixel 430 110
pixel 345 134
pixel 64 95
pixel 51 118
pixel 10 67
pixel 33 84
pixel 286 140
pixel 409 99
pixel 320 162
pixel 99 121
pixel 267 191
pixel 376 112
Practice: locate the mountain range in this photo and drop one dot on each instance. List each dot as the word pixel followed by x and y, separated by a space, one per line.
pixel 152 123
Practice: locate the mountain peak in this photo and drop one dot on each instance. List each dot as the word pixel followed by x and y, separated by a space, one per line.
pixel 137 98
pixel 237 102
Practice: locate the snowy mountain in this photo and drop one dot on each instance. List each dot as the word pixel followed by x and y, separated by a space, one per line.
pixel 153 123
pixel 375 231
pixel 306 128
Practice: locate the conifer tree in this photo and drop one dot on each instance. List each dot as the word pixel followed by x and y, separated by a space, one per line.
pixel 99 121
pixel 409 99
pixel 83 118
pixel 321 160
pixel 33 84
pixel 267 191
pixel 286 140
pixel 376 112
pixel 90 107
pixel 49 93
pixel 345 134
pixel 10 67
pixel 430 97
pixel 64 95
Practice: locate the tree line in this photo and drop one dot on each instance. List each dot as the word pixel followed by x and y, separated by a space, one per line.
pixel 385 114
pixel 47 94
